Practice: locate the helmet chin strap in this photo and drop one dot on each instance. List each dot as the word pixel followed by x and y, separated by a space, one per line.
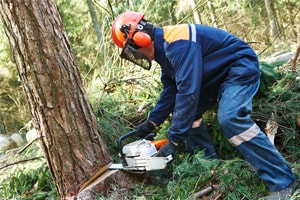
pixel 143 26
pixel 125 29
pixel 147 27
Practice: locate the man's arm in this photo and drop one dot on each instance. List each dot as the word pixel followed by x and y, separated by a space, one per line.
pixel 166 102
pixel 186 57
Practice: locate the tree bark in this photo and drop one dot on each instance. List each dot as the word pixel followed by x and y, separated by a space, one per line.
pixel 212 13
pixel 61 112
pixel 95 21
pixel 292 20
pixel 272 18
pixel 2 127
pixel 239 7
pixel 196 14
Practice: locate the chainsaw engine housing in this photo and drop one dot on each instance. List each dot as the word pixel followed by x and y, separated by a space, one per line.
pixel 139 155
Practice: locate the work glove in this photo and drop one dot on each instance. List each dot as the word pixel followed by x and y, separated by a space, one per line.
pixel 167 149
pixel 142 130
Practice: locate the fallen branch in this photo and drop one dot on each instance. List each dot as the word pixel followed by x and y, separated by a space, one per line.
pixel 143 106
pixel 27 145
pixel 21 161
pixel 219 196
pixel 205 191
pixel 271 128
pixel 294 60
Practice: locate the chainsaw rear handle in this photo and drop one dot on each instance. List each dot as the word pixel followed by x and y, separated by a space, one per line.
pixel 123 137
pixel 150 136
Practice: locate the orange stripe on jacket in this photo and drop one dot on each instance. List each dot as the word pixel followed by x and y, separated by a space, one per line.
pixel 177 32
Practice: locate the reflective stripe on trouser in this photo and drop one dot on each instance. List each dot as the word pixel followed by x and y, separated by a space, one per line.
pixel 234 116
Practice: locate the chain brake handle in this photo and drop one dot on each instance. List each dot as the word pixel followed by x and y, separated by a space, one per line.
pixel 150 137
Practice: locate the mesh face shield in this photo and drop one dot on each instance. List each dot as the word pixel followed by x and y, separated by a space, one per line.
pixel 129 52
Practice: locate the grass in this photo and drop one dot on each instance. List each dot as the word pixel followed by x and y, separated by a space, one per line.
pixel 25 180
pixel 182 178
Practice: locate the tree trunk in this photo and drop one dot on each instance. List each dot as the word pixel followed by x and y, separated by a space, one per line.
pixel 272 18
pixel 95 22
pixel 239 7
pixel 2 127
pixel 212 13
pixel 196 14
pixel 61 113
pixel 290 9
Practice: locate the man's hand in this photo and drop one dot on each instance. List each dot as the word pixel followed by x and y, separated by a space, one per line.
pixel 167 149
pixel 142 130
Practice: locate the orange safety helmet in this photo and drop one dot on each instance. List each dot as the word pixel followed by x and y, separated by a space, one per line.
pixel 126 26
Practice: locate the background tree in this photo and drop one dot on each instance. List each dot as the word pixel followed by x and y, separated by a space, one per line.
pixel 212 13
pixel 2 128
pixel 272 18
pixel 95 22
pixel 58 104
pixel 196 14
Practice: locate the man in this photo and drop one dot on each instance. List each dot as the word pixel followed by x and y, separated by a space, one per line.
pixel 202 66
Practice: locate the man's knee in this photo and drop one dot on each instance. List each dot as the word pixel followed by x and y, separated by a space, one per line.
pixel 224 119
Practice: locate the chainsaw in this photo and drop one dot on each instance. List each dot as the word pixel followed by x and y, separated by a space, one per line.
pixel 140 155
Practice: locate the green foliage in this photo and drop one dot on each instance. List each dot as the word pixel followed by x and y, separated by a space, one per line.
pixel 111 127
pixel 28 180
pixel 268 77
pixel 232 179
pixel 283 100
pixel 192 174
pixel 28 184
pixel 239 181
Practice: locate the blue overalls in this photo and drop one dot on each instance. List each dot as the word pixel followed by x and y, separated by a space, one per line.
pixel 202 66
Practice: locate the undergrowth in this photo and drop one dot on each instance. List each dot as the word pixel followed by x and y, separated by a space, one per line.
pixel 231 177
pixel 187 175
pixel 25 180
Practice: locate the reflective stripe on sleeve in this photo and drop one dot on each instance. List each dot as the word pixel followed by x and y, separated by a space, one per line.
pixel 193 32
pixel 245 136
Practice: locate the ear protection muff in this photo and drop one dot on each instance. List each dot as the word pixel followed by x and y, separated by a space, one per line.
pixel 142 39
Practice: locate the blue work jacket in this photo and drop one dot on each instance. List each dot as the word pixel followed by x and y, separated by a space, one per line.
pixel 197 63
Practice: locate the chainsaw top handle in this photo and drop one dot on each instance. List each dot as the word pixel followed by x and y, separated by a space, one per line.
pixel 150 136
